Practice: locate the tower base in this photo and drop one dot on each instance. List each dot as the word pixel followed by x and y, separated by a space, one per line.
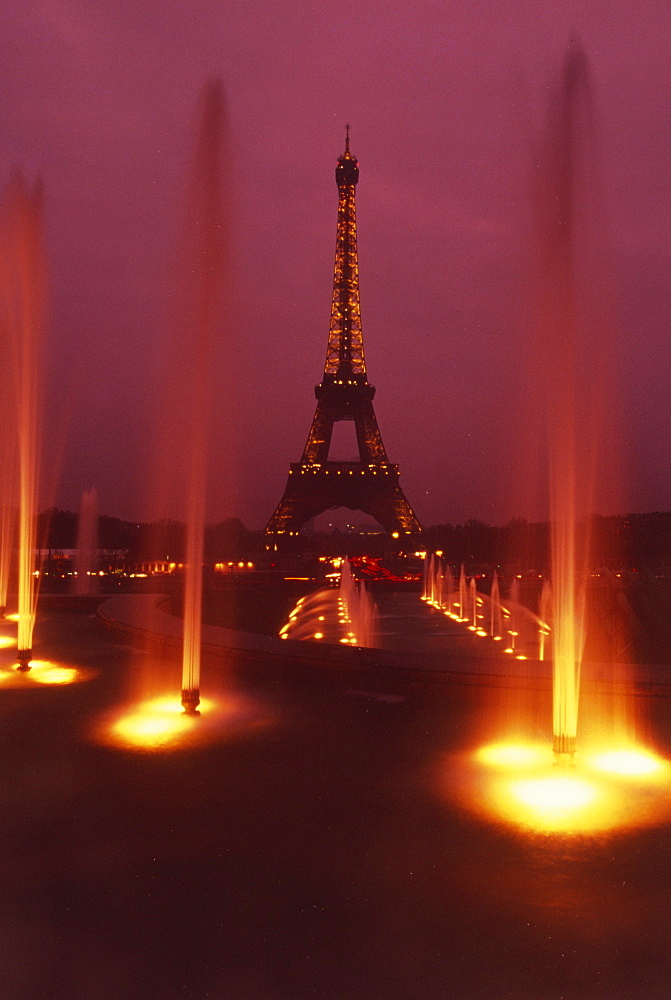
pixel 313 489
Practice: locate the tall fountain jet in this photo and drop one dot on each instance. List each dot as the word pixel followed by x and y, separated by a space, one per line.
pixel 202 277
pixel 21 302
pixel 8 479
pixel 87 544
pixel 571 339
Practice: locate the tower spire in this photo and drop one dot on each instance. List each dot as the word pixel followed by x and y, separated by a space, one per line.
pixel 344 351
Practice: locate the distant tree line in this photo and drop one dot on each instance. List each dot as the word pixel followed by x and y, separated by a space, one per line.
pixel 140 541
pixel 633 540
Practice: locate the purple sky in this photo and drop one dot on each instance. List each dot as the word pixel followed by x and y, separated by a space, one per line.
pixel 444 102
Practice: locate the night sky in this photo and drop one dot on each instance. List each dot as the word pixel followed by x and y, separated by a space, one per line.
pixel 445 102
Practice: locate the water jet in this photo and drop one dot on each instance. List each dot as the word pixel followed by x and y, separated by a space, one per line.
pixel 21 297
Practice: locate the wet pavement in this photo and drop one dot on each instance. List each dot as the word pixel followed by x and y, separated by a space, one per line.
pixel 305 847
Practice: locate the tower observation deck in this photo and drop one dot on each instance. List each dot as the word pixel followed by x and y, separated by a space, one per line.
pixel 370 484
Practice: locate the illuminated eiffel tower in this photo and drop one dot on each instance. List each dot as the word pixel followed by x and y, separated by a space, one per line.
pixel 315 484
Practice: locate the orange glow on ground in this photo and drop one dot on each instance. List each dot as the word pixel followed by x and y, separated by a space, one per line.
pixel 556 801
pixel 634 762
pixel 512 755
pixel 519 784
pixel 156 723
pixel 162 724
pixel 43 672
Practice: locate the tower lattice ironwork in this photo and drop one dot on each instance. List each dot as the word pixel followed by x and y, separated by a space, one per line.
pixel 371 484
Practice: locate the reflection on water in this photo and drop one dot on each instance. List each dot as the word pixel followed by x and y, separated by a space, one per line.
pixel 41 672
pixel 519 784
pixel 162 724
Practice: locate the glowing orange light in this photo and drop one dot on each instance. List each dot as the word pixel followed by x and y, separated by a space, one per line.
pixel 520 784
pixel 45 672
pixel 512 755
pixel 157 723
pixel 634 762
pixel 554 795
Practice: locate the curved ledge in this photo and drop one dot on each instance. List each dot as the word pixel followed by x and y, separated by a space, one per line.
pixel 143 617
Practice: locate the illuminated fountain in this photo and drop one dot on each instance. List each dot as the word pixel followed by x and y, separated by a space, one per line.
pixel 428 577
pixel 346 614
pixel 611 789
pixel 22 293
pixel 572 405
pixel 358 607
pixel 614 783
pixel 200 288
pixel 522 633
pixel 463 591
pixel 7 520
pixel 495 609
pixel 447 587
pixel 87 545
pixel 545 615
pixel 8 478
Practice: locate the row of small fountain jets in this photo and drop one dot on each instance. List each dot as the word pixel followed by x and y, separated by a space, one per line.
pixel 349 614
pixel 523 634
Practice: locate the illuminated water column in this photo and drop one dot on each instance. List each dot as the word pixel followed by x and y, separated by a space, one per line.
pixel 22 287
pixel 85 580
pixel 574 340
pixel 7 495
pixel 495 613
pixel 203 279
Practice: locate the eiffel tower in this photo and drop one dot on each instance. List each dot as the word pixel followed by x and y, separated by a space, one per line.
pixel 315 484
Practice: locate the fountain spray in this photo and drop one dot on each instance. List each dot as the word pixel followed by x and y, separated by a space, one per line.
pixel 203 280
pixel 22 294
pixel 573 360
